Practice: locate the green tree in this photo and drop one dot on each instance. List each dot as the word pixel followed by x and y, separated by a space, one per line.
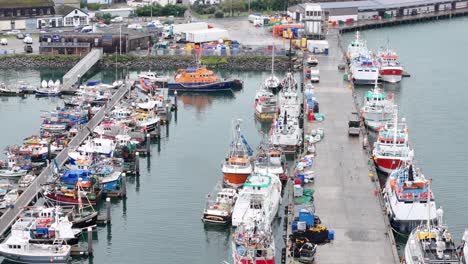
pixel 233 5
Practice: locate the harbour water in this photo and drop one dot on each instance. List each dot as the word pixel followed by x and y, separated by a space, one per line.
pixel 160 219
pixel 159 222
pixel 433 101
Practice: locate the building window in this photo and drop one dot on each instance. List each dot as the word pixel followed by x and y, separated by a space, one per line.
pixel 18 12
pixel 48 11
pixel 68 21
pixel 82 20
pixel 33 11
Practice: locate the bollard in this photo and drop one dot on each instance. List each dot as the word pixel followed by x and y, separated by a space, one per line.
pixel 175 100
pixel 148 143
pixel 167 129
pixel 124 186
pixel 108 210
pixel 137 164
pixel 90 241
pixel 158 129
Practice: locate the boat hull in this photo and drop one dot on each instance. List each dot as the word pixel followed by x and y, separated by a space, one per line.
pixel 210 87
pixel 391 75
pixel 35 259
pixel 216 219
pixel 235 180
pixel 387 165
pixel 87 221
pixel 68 200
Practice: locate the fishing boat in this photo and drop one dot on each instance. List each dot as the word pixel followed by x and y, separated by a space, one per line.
pixel 99 145
pixel 312 61
pixel 408 199
pixel 153 77
pixel 253 243
pixel 289 81
pixel 148 86
pixel 18 248
pixel 265 104
pixel 431 243
pixel 356 47
pixel 269 159
pixel 70 196
pixel 8 91
pixel 200 79
pixel 260 195
pixel 378 108
pixel 237 166
pixel 13 172
pixel 219 205
pixel 391 70
pixel 392 149
pixel 25 181
pixel 285 132
pixel 9 198
pixel 48 88
pixel 272 83
pixel 364 69
pixel 147 121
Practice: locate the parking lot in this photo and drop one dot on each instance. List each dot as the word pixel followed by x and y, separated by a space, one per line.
pixel 16 46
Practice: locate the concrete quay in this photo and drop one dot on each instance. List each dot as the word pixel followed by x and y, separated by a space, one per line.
pixel 347 197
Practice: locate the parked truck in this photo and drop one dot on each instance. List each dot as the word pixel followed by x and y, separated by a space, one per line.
pixel 207 35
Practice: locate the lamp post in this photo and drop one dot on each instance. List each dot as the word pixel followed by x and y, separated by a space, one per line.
pixel 120 39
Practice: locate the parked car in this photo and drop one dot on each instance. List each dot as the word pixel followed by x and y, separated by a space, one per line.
pixel 28 49
pixel 20 36
pixel 13 32
pixel 4 41
pixel 134 26
pixel 117 20
pixel 28 40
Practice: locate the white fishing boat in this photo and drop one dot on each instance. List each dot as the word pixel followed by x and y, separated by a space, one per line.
pixel 147 121
pixel 312 61
pixel 13 172
pixel 25 181
pixel 356 47
pixel 286 133
pixel 408 199
pixel 431 243
pixel 265 104
pixel 364 69
pixel 102 146
pixel 260 195
pixel 253 242
pixel 9 198
pixel 18 248
pixel 48 88
pixel 272 83
pixel 154 77
pixel 378 108
pixel 219 205
pixel 269 159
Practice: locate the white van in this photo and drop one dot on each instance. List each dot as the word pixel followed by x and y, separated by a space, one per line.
pixel 87 29
pixel 28 40
pixel 117 20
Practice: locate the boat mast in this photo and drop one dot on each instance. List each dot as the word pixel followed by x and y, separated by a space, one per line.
pixel 272 61
pixel 395 130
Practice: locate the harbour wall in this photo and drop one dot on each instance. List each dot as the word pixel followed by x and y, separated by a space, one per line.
pixel 164 62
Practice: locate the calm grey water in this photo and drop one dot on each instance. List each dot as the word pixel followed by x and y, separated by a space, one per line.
pixel 159 222
pixel 433 101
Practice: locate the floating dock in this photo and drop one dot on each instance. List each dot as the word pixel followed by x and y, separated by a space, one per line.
pixel 347 194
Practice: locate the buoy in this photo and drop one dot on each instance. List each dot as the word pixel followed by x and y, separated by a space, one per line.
pixel 44 84
pixel 50 83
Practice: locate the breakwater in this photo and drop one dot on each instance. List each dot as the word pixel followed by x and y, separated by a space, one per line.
pixel 164 62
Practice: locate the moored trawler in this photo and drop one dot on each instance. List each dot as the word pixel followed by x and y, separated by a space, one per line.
pixel 260 195
pixel 237 165
pixel 391 70
pixel 219 206
pixel 431 244
pixel 200 79
pixel 408 199
pixel 265 104
pixel 378 108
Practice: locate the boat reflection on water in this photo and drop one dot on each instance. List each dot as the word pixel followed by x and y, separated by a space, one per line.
pixel 218 234
pixel 202 101
pixel 263 126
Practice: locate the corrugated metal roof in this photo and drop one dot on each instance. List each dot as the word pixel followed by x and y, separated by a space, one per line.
pixel 381 4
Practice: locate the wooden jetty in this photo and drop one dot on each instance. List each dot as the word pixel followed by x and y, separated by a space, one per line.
pixel 11 214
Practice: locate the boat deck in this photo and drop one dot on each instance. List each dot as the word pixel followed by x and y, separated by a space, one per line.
pixel 345 196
